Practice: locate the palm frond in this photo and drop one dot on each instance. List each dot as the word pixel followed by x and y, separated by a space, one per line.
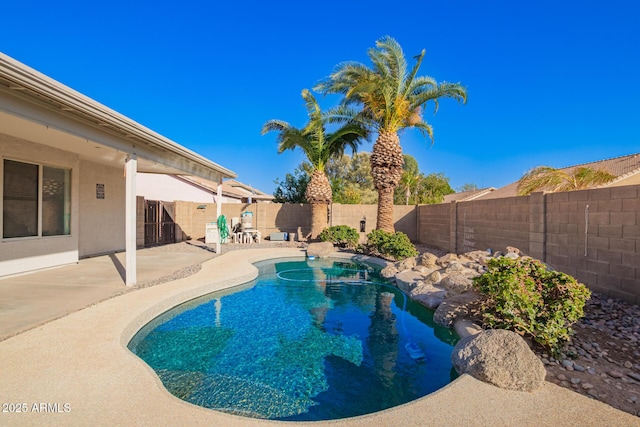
pixel 425 129
pixel 585 177
pixel 424 94
pixel 388 93
pixel 410 81
pixel 274 125
pixel 541 178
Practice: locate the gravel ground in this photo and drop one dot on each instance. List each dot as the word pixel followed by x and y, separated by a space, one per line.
pixel 602 361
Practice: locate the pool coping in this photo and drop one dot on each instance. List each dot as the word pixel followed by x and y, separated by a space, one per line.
pixel 82 360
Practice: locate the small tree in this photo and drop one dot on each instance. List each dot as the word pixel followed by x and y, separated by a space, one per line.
pixel 467 187
pixel 292 189
pixel 433 188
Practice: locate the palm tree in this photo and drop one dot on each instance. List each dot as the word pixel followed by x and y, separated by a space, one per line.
pixel 390 98
pixel 319 146
pixel 552 179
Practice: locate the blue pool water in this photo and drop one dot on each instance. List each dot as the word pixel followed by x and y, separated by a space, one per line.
pixel 306 340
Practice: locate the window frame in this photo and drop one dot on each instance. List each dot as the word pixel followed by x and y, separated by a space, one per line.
pixel 41 166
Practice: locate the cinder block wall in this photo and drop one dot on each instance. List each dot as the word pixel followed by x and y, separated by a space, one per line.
pixel 191 218
pixel 404 217
pixel 593 235
pixel 493 224
pixel 433 225
pixel 549 227
pixel 291 218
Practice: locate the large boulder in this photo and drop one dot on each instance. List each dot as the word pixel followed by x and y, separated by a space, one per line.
pixel 501 358
pixel 320 249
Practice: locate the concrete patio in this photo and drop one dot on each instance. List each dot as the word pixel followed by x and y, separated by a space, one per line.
pixel 79 366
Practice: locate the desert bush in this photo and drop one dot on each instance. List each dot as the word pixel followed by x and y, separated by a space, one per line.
pixel 340 235
pixel 525 297
pixel 395 246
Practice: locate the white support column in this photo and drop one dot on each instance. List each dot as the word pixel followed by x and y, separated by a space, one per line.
pixel 131 170
pixel 219 212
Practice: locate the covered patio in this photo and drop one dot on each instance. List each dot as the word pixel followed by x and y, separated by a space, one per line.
pixel 98 151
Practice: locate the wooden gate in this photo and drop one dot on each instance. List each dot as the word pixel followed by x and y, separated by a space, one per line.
pixel 159 227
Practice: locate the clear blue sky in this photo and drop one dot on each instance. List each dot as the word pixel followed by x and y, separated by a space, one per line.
pixel 549 82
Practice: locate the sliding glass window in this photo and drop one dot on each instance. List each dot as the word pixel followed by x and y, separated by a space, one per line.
pixel 36 200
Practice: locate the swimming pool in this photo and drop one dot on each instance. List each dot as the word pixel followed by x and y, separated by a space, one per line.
pixel 306 340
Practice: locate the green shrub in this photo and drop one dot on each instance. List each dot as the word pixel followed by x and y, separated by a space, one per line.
pixel 340 235
pixel 525 297
pixel 395 246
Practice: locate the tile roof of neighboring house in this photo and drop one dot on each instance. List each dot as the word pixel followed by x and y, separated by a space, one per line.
pixel 230 188
pixel 467 195
pixel 623 167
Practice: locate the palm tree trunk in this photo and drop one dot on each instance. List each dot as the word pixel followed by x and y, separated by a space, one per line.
pixel 385 210
pixel 319 196
pixel 318 218
pixel 386 171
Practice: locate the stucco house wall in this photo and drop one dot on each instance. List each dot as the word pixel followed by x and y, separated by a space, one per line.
pixel 101 220
pixel 167 188
pixel 170 188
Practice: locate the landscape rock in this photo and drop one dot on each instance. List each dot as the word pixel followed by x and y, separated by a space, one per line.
pixel 428 260
pixel 511 255
pixel 407 280
pixel 320 249
pixel 513 250
pixel 389 271
pixel 406 264
pixel 454 267
pixel 465 328
pixel 457 282
pixel 447 259
pixel 501 358
pixel 433 277
pixel 455 307
pixel 423 270
pixel 428 295
pixel 480 257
